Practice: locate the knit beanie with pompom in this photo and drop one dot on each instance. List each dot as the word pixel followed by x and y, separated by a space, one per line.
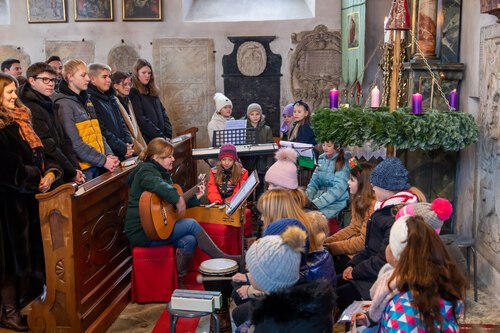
pixel 283 173
pixel 434 213
pixel 221 101
pixel 274 261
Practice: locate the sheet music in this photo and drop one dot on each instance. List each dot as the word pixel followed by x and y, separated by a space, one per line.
pixel 243 193
pixel 304 149
pixel 236 124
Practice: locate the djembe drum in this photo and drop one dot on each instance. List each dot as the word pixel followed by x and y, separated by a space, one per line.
pixel 217 277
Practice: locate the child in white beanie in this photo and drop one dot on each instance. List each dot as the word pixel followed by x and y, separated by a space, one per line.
pixel 223 110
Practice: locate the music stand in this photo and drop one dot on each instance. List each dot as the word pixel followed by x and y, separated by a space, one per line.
pixel 239 200
pixel 237 136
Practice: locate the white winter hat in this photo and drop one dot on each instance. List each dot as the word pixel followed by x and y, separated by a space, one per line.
pixel 221 101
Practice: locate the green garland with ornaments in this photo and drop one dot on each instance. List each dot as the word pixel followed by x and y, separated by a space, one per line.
pixel 433 129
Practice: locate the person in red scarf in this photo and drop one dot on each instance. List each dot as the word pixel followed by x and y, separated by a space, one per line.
pixel 24 172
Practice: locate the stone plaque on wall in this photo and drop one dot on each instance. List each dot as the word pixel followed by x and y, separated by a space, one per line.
pixel 316 65
pixel 66 50
pixel 184 71
pixel 122 58
pixel 488 222
pixel 9 51
pixel 252 74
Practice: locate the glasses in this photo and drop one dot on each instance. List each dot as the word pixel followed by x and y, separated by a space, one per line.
pixel 123 84
pixel 45 80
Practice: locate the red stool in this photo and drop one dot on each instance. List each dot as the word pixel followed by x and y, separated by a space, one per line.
pixel 227 238
pixel 154 274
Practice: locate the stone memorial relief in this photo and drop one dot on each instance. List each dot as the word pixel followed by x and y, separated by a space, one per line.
pixel 488 222
pixel 9 51
pixel 315 65
pixel 251 58
pixel 122 58
pixel 83 50
pixel 185 73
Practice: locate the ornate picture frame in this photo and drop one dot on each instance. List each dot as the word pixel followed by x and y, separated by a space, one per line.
pixel 46 11
pixel 142 10
pixel 93 10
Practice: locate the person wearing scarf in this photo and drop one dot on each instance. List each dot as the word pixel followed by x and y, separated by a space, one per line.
pixel 390 185
pixel 25 171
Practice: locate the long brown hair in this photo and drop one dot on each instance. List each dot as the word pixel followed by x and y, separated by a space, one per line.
pixel 426 269
pixel 364 197
pixel 236 173
pixel 157 146
pixel 294 130
pixel 277 204
pixel 5 117
pixel 150 88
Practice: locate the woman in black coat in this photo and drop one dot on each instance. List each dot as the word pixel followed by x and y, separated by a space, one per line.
pixel 149 112
pixel 24 172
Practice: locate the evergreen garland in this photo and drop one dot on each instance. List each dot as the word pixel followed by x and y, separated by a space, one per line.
pixel 432 130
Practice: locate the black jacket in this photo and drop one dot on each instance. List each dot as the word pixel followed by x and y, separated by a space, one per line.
pixel 368 262
pixel 56 144
pixel 302 308
pixel 151 116
pixel 110 120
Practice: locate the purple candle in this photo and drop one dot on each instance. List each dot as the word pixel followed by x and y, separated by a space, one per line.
pixel 416 103
pixel 334 99
pixel 453 99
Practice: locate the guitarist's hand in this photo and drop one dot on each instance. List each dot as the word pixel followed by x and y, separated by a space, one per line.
pixel 181 207
pixel 201 190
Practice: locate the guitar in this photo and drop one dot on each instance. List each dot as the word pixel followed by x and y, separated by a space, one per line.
pixel 158 216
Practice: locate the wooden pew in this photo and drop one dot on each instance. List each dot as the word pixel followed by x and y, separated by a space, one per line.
pixel 87 255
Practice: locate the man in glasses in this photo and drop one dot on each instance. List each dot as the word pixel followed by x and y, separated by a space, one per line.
pixel 35 94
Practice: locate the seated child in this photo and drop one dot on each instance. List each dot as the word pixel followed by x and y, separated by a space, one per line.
pixel 287 121
pixel 227 176
pixel 327 188
pixel 350 240
pixel 390 184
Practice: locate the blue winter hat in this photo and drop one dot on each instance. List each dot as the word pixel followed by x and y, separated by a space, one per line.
pixel 390 175
pixel 279 226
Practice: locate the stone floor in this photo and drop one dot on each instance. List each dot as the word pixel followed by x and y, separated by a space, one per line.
pixel 141 318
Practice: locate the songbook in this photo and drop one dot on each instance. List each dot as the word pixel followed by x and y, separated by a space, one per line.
pixel 243 193
pixel 306 157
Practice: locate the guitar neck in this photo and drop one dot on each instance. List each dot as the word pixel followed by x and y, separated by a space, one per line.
pixel 189 193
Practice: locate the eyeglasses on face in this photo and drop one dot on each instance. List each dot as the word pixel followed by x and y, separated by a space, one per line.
pixel 125 84
pixel 45 80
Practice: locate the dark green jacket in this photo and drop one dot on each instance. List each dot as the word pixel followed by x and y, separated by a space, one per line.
pixel 152 177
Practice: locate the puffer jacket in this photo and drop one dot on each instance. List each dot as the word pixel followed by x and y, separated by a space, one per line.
pixel 214 194
pixel 77 116
pixel 327 188
pixel 112 124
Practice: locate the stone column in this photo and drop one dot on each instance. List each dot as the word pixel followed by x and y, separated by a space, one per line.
pixel 427 24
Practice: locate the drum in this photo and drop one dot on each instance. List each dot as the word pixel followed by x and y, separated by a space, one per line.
pixel 223 269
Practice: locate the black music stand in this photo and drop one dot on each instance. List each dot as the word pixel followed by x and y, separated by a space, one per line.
pixel 239 136
pixel 240 200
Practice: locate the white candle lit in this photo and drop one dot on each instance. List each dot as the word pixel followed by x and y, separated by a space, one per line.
pixel 375 97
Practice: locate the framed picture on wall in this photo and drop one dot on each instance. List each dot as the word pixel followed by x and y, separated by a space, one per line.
pixel 46 11
pixel 141 10
pixel 93 10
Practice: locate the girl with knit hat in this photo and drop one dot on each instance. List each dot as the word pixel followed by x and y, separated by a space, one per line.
pixel 390 185
pixel 223 110
pixel 350 240
pixel 256 120
pixel 227 176
pixel 287 115
pixel 327 188
pixel 421 282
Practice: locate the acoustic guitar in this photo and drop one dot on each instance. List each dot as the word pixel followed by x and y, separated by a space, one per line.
pixel 158 216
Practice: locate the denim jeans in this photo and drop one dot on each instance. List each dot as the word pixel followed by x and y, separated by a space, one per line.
pixel 183 236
